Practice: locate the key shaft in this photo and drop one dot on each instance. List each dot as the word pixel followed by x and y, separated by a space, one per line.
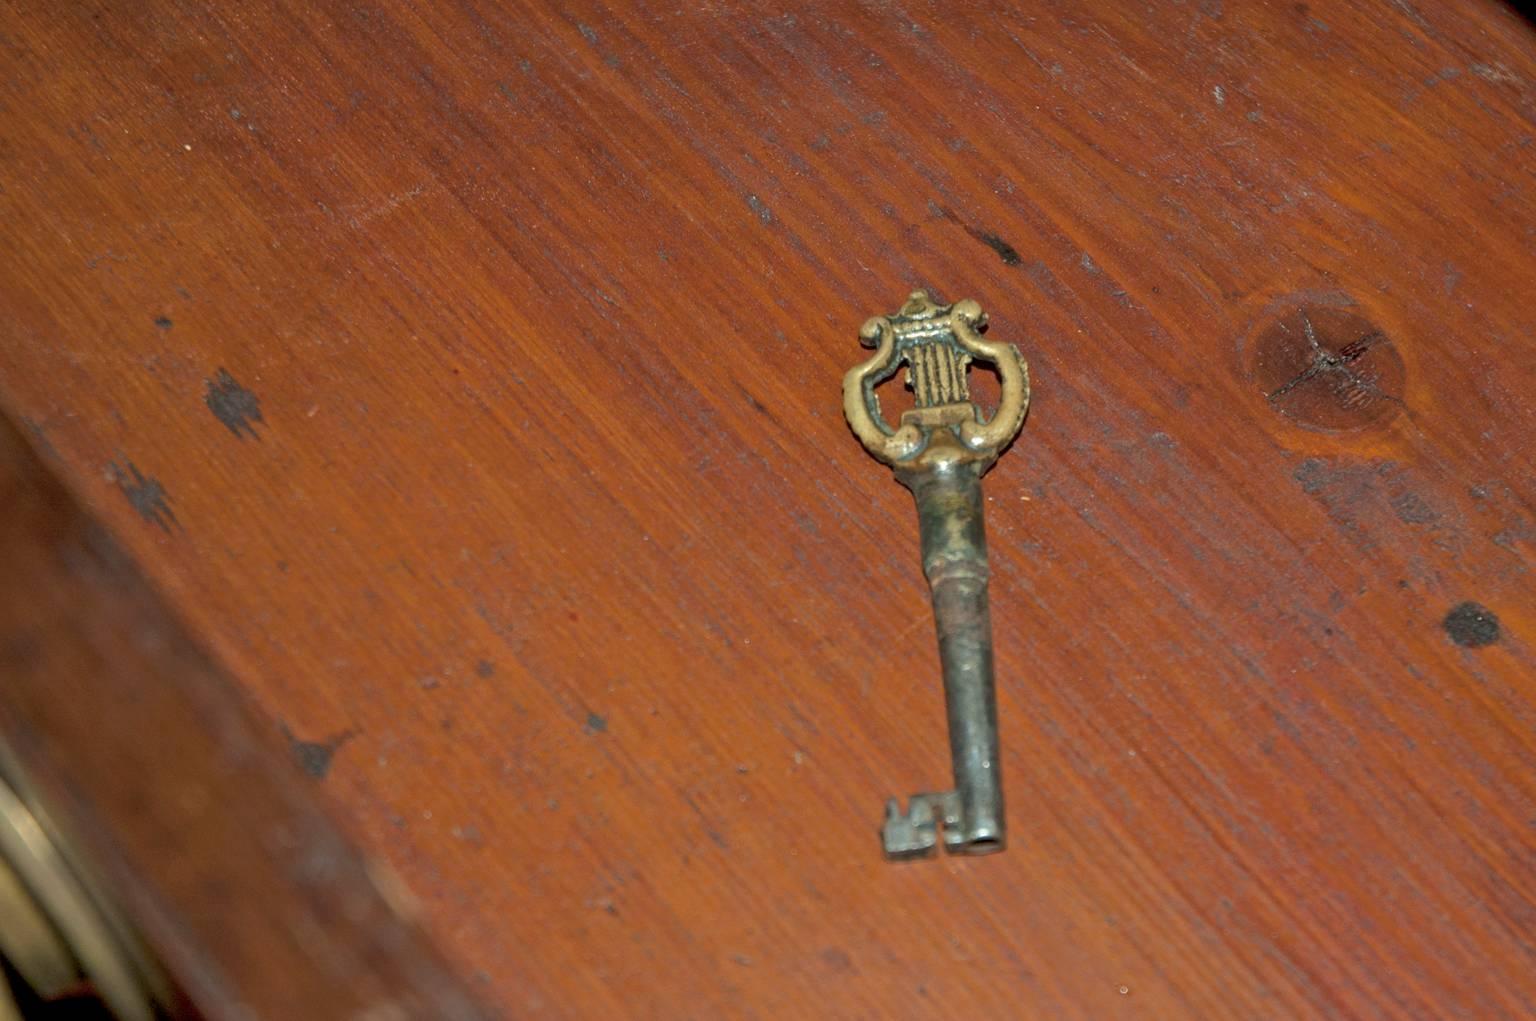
pixel 954 546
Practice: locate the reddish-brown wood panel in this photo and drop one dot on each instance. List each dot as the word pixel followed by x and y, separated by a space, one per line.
pixel 184 806
pixel 468 376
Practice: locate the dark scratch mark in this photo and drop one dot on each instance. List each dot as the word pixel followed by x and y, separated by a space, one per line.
pixel 107 256
pixel 1005 251
pixel 164 322
pixel 232 404
pixel 147 495
pixel 1009 254
pixel 755 404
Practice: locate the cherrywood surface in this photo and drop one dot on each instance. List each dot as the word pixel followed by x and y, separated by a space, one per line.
pixel 144 755
pixel 467 376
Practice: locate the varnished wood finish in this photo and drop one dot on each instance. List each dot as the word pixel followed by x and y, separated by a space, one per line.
pixel 550 527
pixel 143 750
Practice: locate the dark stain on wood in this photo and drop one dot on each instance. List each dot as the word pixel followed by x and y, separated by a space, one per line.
pixel 1413 509
pixel 595 724
pixel 1472 625
pixel 232 404
pixel 1340 485
pixel 314 757
pixel 164 322
pixel 837 961
pixel 146 494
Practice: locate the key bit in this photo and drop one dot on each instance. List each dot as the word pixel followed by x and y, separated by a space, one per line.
pixel 939 450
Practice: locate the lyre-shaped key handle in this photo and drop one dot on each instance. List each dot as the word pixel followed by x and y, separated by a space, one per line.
pixel 939 450
pixel 937 343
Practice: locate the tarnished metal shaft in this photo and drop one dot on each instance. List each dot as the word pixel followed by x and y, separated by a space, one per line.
pixel 954 546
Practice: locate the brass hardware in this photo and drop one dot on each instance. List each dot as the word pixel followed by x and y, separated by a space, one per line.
pixel 939 450
pixel 58 929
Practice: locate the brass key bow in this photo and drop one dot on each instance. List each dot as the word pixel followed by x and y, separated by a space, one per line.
pixel 939 451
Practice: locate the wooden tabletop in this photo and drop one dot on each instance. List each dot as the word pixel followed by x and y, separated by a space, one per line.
pixel 467 377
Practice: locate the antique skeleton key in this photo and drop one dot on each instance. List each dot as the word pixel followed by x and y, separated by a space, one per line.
pixel 939 451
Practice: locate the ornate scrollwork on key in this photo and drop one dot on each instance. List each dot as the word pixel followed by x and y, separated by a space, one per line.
pixel 937 343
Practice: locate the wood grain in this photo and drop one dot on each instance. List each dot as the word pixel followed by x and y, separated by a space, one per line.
pixel 550 527
pixel 182 803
